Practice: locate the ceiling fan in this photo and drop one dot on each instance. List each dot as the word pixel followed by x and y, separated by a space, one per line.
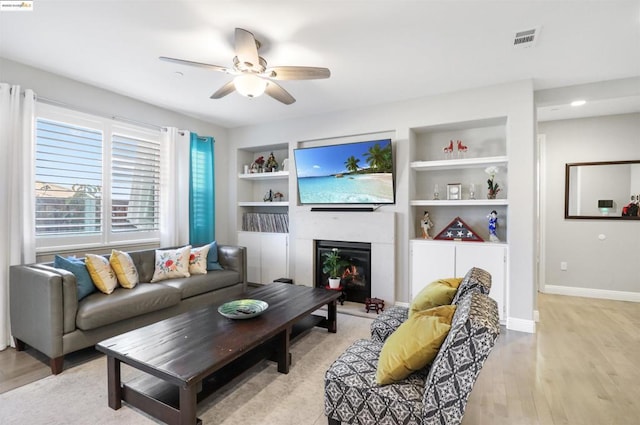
pixel 252 77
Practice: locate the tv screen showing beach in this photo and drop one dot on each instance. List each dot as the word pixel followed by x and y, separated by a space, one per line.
pixel 350 173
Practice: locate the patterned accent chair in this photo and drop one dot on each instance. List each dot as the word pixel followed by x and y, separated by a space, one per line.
pixel 435 395
pixel 385 324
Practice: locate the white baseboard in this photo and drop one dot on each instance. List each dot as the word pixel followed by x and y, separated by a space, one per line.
pixel 592 293
pixel 521 325
pixel 401 304
pixel 536 316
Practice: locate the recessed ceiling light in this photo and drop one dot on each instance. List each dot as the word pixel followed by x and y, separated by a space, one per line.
pixel 578 102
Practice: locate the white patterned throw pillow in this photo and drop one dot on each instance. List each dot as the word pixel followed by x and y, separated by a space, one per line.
pixel 198 260
pixel 171 263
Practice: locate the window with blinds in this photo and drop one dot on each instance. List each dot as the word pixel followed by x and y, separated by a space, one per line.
pixel 96 182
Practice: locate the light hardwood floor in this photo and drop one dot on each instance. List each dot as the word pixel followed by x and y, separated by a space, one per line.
pixel 580 368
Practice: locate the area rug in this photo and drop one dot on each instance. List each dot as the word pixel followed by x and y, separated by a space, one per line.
pixel 261 395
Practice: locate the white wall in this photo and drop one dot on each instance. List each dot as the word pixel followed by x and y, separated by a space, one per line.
pixel 604 268
pixel 93 99
pixel 513 100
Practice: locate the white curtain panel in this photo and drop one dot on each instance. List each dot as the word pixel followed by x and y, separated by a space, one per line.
pixel 174 187
pixel 17 230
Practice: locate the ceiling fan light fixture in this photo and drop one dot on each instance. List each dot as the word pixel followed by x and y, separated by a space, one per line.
pixel 250 85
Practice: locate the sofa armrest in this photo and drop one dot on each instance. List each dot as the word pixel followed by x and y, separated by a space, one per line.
pixel 36 306
pixel 233 257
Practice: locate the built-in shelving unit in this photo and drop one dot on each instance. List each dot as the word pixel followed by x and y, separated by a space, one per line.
pixel 263 225
pixel 434 170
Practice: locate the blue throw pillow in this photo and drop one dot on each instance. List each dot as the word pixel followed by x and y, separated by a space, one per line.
pixel 79 270
pixel 212 258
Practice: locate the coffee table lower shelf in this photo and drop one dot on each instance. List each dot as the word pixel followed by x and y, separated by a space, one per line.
pixel 161 399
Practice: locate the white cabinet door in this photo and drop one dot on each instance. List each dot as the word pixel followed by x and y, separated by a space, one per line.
pixel 252 241
pixel 430 261
pixel 274 256
pixel 267 255
pixel 490 257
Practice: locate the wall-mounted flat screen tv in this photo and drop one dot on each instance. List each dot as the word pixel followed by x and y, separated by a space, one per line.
pixel 349 173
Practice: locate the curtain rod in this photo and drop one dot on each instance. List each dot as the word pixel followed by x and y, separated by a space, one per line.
pixel 101 114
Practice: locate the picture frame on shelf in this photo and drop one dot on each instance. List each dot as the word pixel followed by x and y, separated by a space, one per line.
pixel 454 191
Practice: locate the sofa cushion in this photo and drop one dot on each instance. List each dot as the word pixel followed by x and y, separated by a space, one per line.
pixel 171 263
pixel 199 284
pixel 476 279
pixel 124 268
pixel 212 257
pixel 352 396
pixel 198 260
pixel 414 344
pixel 101 273
pixel 437 293
pixel 99 309
pixel 79 269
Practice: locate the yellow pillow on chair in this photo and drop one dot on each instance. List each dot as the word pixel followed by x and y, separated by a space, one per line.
pixel 414 345
pixel 437 293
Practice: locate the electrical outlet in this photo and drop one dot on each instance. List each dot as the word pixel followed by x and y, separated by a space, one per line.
pixel 563 266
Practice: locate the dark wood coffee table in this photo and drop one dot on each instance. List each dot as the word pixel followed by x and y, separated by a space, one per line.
pixel 186 355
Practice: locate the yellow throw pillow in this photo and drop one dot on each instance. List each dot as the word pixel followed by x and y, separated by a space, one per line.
pixel 414 344
pixel 171 263
pixel 437 293
pixel 125 269
pixel 101 273
pixel 198 260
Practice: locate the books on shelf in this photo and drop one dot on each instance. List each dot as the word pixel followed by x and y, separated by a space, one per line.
pixel 265 222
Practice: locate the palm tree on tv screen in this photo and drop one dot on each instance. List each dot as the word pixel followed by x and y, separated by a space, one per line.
pixel 352 164
pixel 379 158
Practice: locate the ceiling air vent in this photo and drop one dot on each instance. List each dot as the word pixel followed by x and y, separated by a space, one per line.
pixel 526 38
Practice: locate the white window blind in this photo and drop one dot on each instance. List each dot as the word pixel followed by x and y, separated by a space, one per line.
pixel 68 179
pixel 135 184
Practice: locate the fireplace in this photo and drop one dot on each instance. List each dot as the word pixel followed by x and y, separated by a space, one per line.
pixel 356 278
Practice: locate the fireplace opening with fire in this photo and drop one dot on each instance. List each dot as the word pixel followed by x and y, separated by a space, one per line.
pixel 356 276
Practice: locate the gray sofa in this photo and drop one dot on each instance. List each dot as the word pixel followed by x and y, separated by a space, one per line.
pixel 46 314
pixel 434 395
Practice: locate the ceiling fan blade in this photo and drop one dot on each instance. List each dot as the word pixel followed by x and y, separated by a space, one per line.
pixel 246 48
pixel 224 90
pixel 278 93
pixel 198 64
pixel 297 73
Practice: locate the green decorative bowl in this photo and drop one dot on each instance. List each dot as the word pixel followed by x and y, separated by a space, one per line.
pixel 242 309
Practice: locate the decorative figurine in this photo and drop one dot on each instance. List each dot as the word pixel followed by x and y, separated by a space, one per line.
pixel 448 150
pixel 257 165
pixel 271 165
pixel 426 224
pixel 268 197
pixel 462 149
pixel 278 196
pixel 493 224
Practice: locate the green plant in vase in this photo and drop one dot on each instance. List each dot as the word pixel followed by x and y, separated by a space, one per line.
pixel 333 265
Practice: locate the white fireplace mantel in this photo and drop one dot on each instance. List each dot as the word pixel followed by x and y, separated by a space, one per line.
pixel 376 228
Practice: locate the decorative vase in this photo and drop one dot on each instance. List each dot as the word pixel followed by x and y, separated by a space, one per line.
pixel 491 195
pixel 334 282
